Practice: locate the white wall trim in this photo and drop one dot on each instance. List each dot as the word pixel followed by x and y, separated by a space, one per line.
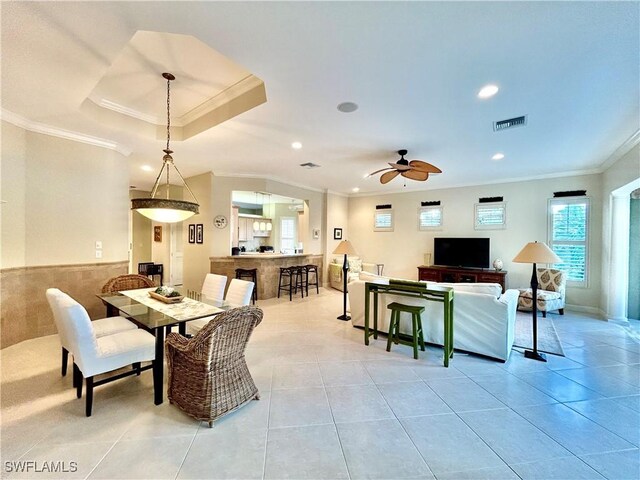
pixel 575 173
pixel 339 194
pixel 622 150
pixel 44 129
pixel 583 309
pixel 268 177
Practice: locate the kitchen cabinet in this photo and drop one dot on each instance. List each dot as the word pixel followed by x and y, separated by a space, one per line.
pixel 245 227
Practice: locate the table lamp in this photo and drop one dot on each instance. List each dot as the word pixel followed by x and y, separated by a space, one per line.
pixel 345 247
pixel 536 252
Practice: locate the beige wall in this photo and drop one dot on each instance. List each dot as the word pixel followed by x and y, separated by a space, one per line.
pixel 73 194
pixel 13 191
pixel 337 217
pixel 402 250
pixel 621 173
pixel 196 256
pixel 141 234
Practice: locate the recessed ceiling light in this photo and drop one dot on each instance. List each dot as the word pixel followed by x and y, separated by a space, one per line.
pixel 356 189
pixel 488 91
pixel 296 145
pixel 498 156
pixel 146 168
pixel 347 107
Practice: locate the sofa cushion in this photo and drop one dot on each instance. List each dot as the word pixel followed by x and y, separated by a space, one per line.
pixel 372 277
pixel 542 294
pixel 355 265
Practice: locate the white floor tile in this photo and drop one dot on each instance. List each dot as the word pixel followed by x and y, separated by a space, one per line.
pixel 497 473
pixel 557 386
pixel 576 433
pixel 462 394
pixel 616 465
pixel 513 438
pixel 344 373
pixel 322 456
pixel 459 449
pixel 380 449
pixel 296 376
pixel 512 391
pixel 412 399
pixel 356 403
pixel 298 407
pixel 570 468
pixel 612 416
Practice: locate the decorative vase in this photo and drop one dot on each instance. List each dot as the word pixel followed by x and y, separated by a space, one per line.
pixel 497 264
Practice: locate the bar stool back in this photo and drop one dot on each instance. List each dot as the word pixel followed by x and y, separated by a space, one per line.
pixel 287 275
pixel 311 269
pixel 252 275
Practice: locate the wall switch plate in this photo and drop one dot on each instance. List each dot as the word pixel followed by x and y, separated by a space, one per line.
pixel 98 253
pixel 98 245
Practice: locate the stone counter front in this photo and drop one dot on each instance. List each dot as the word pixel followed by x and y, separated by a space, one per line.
pixel 268 266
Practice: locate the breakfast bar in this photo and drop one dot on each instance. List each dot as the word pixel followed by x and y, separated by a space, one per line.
pixel 268 267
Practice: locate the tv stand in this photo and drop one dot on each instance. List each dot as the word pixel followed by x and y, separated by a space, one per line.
pixel 461 275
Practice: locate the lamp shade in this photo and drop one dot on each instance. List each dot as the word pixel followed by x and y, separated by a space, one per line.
pixel 164 210
pixel 345 247
pixel 536 252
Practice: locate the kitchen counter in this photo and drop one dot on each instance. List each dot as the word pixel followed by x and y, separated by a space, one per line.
pixel 268 255
pixel 268 266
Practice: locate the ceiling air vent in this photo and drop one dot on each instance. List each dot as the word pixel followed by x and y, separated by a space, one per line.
pixel 309 165
pixel 510 123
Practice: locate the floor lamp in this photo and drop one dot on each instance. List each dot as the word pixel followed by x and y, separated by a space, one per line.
pixel 345 247
pixel 534 252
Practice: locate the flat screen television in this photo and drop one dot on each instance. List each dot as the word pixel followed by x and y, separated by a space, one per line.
pixel 461 252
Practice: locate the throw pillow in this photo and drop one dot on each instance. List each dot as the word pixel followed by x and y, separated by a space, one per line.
pixel 355 265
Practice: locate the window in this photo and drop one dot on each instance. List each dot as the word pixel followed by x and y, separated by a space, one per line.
pixel 491 216
pixel 383 221
pixel 429 218
pixel 287 234
pixel 568 236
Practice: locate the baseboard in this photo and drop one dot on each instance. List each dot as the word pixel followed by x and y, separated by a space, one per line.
pixel 591 310
pixel 623 322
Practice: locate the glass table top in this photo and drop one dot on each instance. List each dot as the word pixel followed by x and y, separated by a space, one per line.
pixel 151 313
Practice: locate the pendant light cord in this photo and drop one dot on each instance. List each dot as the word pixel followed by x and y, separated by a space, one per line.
pixel 168 110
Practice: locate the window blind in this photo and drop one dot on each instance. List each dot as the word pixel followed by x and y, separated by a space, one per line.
pixel 429 217
pixel 568 235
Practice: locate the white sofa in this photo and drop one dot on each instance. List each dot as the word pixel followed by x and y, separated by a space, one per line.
pixel 355 267
pixel 483 318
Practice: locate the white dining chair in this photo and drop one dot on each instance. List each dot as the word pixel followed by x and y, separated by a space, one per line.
pixel 101 327
pixel 238 295
pixel 213 286
pixel 94 355
pixel 239 292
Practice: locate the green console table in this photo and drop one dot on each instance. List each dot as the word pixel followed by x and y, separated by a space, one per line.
pixel 416 290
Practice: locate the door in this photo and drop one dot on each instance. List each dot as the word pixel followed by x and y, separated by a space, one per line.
pixel 177 255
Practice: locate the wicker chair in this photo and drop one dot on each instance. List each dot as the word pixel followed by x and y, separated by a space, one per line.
pixel 127 282
pixel 208 374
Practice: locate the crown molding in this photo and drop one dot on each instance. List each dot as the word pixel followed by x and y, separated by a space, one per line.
pixel 44 129
pixel 129 112
pixel 268 177
pixel 622 150
pixel 574 173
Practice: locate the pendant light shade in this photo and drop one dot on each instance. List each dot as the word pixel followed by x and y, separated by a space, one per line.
pixel 269 226
pixel 256 225
pixel 166 210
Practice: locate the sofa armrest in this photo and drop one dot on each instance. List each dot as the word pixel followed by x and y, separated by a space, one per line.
pixel 510 297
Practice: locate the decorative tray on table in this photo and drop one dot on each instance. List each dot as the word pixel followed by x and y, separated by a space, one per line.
pixel 166 295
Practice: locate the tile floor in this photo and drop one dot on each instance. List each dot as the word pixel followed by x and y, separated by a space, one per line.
pixel 333 408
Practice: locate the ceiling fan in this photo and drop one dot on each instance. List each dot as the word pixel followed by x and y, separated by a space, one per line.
pixel 414 169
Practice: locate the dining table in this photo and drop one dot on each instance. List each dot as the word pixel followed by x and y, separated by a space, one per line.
pixel 158 317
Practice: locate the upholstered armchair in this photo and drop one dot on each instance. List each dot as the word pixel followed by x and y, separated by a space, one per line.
pixel 355 267
pixel 208 374
pixel 551 291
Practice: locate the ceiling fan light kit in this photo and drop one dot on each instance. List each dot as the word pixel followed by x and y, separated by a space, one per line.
pixel 166 210
pixel 413 170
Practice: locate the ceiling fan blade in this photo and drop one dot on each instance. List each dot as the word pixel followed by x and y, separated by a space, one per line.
pixel 378 171
pixel 416 175
pixel 387 177
pixel 424 166
pixel 400 166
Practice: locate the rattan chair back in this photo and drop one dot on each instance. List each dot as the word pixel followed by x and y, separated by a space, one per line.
pixel 208 374
pixel 127 282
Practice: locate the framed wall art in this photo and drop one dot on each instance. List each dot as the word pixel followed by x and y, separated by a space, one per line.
pixel 199 233
pixel 192 233
pixel 157 233
pixel 337 234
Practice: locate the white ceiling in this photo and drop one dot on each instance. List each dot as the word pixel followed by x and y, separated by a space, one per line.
pixel 413 68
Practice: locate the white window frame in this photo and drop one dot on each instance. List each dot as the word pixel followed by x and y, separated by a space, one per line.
pixel 375 217
pixel 429 227
pixel 293 235
pixel 565 201
pixel 500 226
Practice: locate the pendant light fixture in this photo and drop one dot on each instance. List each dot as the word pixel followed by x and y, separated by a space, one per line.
pixel 166 210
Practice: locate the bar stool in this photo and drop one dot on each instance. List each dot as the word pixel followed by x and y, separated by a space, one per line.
pixel 286 273
pixel 311 269
pixel 394 326
pixel 252 275
pixel 299 278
